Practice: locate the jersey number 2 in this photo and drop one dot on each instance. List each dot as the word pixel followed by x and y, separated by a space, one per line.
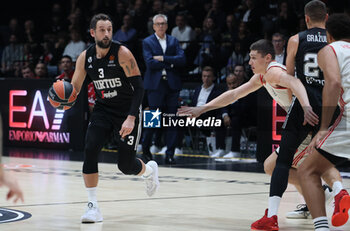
pixel 311 65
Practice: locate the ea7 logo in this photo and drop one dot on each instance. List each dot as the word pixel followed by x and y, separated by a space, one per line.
pixel 37 110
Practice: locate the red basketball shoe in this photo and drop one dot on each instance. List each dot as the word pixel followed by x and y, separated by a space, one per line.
pixel 266 223
pixel 341 208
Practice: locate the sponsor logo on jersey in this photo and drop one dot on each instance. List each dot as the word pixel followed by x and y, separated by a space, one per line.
pixel 109 94
pixel 111 61
pixel 102 84
pixel 11 215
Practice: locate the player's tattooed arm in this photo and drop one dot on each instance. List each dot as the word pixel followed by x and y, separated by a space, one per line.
pixel 127 62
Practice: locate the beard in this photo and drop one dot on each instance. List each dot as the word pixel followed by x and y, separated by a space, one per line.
pixel 104 43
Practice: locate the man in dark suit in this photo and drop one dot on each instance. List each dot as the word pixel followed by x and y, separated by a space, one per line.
pixel 204 94
pixel 163 57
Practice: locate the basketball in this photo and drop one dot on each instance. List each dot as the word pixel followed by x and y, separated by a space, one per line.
pixel 62 95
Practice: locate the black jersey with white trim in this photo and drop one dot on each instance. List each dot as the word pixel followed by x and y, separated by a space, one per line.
pixel 310 43
pixel 113 90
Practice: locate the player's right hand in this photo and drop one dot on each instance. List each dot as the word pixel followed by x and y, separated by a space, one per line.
pixel 14 190
pixel 310 117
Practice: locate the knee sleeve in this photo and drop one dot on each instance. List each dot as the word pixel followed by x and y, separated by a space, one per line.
pixel 130 168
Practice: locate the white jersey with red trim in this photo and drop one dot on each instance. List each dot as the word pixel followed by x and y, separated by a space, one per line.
pixel 282 95
pixel 337 141
pixel 342 51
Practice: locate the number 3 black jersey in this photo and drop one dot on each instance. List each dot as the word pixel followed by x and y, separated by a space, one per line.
pixel 113 91
pixel 307 70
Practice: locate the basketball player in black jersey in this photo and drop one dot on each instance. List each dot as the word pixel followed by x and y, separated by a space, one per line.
pixel 302 55
pixel 119 92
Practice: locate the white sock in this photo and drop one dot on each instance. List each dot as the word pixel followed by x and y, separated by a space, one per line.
pixel 321 224
pixel 92 195
pixel 337 187
pixel 274 203
pixel 148 171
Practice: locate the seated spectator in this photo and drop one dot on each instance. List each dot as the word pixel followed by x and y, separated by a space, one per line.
pixel 204 93
pixel 126 34
pixel 12 52
pixel 238 57
pixel 28 71
pixel 75 46
pixel 40 71
pixel 217 14
pixel 227 38
pixel 239 71
pixel 182 31
pixel 279 43
pixel 232 122
pixel 66 67
pixel 209 37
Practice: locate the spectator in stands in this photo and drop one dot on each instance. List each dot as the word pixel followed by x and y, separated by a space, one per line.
pixel 238 57
pixel 40 71
pixel 66 67
pixel 204 93
pixel 209 38
pixel 12 28
pixel 12 52
pixel 239 71
pixel 126 34
pixel 28 71
pixel 59 46
pixel 182 31
pixel 279 43
pixel 286 22
pixel 139 14
pixel 217 14
pixel 252 17
pixel 227 38
pixel 75 46
pixel 58 21
pixel 30 34
pixel 17 69
pixel 232 123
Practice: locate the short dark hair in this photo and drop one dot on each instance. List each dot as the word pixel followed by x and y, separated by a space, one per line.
pixel 68 57
pixel 208 68
pixel 316 10
pixel 98 17
pixel 338 25
pixel 264 47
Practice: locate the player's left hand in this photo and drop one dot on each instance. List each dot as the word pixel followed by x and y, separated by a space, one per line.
pixel 127 126
pixel 316 140
pixel 310 117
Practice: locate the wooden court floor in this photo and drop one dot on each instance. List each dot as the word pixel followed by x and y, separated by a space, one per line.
pixel 188 199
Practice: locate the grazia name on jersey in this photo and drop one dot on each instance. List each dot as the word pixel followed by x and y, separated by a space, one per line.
pixel 190 122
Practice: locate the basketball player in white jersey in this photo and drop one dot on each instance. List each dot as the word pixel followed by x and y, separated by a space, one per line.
pixel 331 145
pixel 8 180
pixel 281 86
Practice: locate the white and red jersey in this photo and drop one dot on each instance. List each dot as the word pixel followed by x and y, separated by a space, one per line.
pixel 282 95
pixel 342 51
pixel 337 141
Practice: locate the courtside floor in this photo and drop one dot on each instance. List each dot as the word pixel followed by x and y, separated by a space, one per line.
pixel 188 199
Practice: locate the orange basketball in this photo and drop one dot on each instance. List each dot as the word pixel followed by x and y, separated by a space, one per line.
pixel 62 95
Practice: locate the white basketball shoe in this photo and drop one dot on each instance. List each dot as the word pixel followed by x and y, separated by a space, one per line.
pixel 152 182
pixel 92 214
